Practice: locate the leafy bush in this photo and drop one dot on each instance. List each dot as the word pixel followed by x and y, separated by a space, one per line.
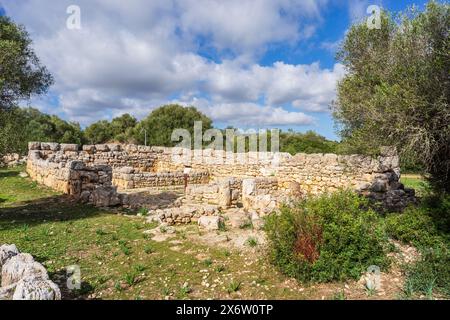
pixel 331 237
pixel 425 226
pixel 431 274
pixel 413 226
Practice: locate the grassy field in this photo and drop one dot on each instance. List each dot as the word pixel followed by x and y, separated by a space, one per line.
pixel 415 181
pixel 119 261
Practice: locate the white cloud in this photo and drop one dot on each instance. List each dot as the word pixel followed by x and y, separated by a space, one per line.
pixel 133 56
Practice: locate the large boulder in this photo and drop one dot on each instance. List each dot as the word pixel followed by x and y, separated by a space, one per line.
pixel 22 278
pixel 105 197
pixel 36 289
pixel 22 266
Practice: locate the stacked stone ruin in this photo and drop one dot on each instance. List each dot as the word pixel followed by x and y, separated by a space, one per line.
pixel 258 182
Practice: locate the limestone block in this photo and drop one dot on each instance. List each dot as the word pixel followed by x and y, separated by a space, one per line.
pixel 68 147
pixel 50 146
pixel 210 222
pixel 34 146
pixel 102 147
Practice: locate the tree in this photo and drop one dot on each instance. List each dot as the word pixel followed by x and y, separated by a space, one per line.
pixel 396 91
pixel 21 74
pixel 99 132
pixel 309 142
pixel 18 126
pixel 121 127
pixel 162 121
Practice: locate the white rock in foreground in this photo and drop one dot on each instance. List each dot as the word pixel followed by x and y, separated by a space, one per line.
pixel 36 289
pixel 22 266
pixel 7 251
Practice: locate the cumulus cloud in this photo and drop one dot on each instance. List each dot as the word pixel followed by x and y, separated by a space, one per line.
pixel 136 55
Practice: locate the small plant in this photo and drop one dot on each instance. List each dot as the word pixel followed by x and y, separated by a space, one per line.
pixel 371 291
pixel 207 262
pixel 340 295
pixel 130 278
pixel 124 247
pixel 184 291
pixel 143 212
pixel 163 229
pixel 234 286
pixel 222 226
pixel 166 291
pixel 139 268
pixel 247 225
pixel 326 238
pixel 220 268
pixel 117 286
pixel 148 249
pixel 252 242
pixel 100 232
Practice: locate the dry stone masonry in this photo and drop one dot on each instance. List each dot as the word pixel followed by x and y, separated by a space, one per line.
pixel 257 182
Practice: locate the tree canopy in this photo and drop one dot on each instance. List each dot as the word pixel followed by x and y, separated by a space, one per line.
pixel 161 122
pixel 21 73
pixel 396 91
pixel 20 125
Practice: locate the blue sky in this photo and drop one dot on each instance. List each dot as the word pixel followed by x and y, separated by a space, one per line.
pixel 250 64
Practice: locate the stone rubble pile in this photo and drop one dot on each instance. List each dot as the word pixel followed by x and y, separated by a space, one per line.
pixel 22 278
pixel 12 159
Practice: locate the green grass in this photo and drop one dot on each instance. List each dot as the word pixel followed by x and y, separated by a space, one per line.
pixel 15 190
pixel 115 259
pixel 416 182
pixel 118 262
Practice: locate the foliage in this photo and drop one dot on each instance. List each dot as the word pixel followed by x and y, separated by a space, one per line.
pixel 161 122
pixel 118 130
pixel 309 142
pixel 396 91
pixel 330 237
pixel 21 74
pixel 425 227
pixel 20 125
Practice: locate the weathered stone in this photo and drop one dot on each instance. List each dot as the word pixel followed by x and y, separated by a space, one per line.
pixel 210 222
pixel 52 146
pixel 36 289
pixel 34 146
pixel 105 197
pixel 7 251
pixel 22 266
pixel 68 147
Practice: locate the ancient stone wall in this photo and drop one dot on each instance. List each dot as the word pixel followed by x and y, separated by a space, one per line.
pixel 127 178
pixel 276 176
pixel 73 177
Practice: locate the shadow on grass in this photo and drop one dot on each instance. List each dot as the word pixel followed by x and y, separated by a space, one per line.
pixel 5 173
pixel 44 210
pixel 64 279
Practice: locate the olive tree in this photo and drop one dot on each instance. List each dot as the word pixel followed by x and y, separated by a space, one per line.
pixel 396 90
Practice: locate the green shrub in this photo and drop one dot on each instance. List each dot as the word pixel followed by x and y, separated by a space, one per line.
pixel 425 226
pixel 413 226
pixel 330 237
pixel 431 274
